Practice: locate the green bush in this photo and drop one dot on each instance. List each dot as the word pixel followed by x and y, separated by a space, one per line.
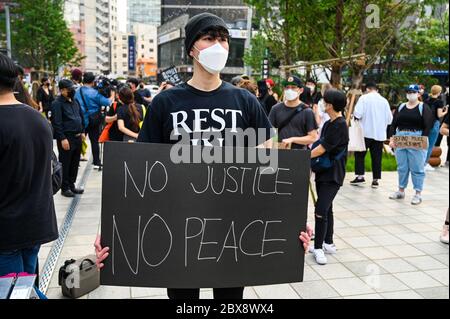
pixel 388 164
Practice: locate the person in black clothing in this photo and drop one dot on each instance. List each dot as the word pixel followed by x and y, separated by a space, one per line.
pixel 45 97
pixel 436 104
pixel 129 115
pixel 315 94
pixel 294 120
pixel 111 117
pixel 133 83
pixel 27 210
pixel 68 126
pixel 145 93
pixel 222 107
pixel 334 141
pixel 265 98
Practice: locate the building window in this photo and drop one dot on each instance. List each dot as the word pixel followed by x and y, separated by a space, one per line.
pixel 124 55
pixel 151 41
pixel 152 50
pixel 142 47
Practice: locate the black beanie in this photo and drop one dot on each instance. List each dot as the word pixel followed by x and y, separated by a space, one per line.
pixel 198 24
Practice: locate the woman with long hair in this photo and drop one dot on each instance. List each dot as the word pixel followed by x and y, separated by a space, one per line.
pixel 22 95
pixel 129 115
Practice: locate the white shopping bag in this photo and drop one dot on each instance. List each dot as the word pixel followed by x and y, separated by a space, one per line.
pixel 356 135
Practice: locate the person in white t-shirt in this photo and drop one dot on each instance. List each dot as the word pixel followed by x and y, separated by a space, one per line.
pixel 375 115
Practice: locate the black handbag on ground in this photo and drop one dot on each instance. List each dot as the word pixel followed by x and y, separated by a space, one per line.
pixel 57 174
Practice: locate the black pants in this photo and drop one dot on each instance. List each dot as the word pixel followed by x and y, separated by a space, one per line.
pixel 324 217
pixel 376 152
pixel 194 294
pixel 70 161
pixel 94 133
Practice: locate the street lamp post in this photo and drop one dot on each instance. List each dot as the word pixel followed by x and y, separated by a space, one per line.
pixel 8 31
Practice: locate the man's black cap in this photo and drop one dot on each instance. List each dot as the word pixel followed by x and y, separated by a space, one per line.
pixel 65 84
pixel 293 80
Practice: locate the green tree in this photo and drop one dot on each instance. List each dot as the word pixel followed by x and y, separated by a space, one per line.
pixel 303 30
pixel 40 36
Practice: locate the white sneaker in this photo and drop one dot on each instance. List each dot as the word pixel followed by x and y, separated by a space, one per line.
pixel 319 256
pixel 444 236
pixel 416 200
pixel 397 195
pixel 429 168
pixel 329 249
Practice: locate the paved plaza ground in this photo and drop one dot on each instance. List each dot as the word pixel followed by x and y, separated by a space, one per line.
pixel 386 249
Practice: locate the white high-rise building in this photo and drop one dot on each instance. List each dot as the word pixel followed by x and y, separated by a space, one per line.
pixel 93 22
pixel 146 41
pixel 143 12
pixel 146 50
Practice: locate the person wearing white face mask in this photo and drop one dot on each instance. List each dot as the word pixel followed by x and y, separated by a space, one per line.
pixel 294 120
pixel 204 104
pixel 413 118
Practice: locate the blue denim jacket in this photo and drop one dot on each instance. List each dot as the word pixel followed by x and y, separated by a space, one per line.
pixel 94 101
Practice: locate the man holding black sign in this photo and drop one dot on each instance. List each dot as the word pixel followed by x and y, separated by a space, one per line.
pixel 203 104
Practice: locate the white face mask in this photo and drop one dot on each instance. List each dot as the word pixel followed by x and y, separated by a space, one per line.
pixel 290 95
pixel 213 59
pixel 312 88
pixel 412 97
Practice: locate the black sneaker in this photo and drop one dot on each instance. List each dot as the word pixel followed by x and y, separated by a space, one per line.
pixel 67 193
pixel 375 184
pixel 358 181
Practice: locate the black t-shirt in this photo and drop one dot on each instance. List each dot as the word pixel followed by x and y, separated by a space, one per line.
pixel 27 211
pixel 123 114
pixel 114 133
pixel 300 125
pixel 46 99
pixel 268 101
pixel 145 93
pixel 334 138
pixel 435 104
pixel 412 120
pixel 184 108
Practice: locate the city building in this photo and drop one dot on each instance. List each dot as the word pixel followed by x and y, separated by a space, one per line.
pixel 175 14
pixel 92 23
pixel 143 12
pixel 145 53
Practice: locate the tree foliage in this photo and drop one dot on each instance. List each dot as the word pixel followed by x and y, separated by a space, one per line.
pixel 40 36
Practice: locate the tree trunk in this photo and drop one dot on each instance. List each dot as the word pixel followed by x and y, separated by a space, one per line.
pixel 336 68
pixel 336 75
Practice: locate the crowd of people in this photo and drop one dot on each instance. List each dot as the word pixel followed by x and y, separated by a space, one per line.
pixel 304 118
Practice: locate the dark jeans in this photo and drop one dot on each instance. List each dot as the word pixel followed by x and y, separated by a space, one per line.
pixel 19 260
pixel 376 152
pixel 94 134
pixel 70 161
pixel 194 294
pixel 324 217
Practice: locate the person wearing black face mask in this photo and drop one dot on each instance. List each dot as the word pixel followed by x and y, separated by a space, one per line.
pixel 45 97
pixel 69 129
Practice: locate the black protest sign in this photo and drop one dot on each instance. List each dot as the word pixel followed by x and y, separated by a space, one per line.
pixel 201 225
pixel 171 74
